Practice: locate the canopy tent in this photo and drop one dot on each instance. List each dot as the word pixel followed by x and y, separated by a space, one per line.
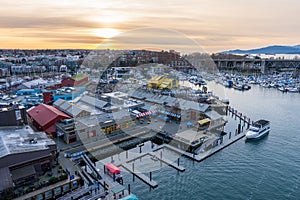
pixel 146 113
pixel 113 168
pixel 203 121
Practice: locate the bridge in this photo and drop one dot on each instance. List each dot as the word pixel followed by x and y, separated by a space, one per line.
pixel 262 65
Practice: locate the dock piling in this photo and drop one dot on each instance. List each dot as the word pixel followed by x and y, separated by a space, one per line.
pixel 133 166
pixel 239 128
pixel 161 159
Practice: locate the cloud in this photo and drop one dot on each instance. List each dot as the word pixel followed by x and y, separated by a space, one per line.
pixel 44 22
pixel 74 40
pixel 214 24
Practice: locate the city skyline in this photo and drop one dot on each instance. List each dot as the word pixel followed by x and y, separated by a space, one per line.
pixel 213 26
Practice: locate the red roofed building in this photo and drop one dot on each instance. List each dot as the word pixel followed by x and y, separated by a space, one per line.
pixel 76 80
pixel 44 117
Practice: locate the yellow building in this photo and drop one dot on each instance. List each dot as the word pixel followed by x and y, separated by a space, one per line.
pixel 155 81
pixel 162 83
pixel 168 84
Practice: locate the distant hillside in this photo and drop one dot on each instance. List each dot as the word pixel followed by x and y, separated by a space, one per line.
pixel 275 49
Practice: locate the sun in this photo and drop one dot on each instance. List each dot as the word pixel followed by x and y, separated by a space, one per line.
pixel 107 32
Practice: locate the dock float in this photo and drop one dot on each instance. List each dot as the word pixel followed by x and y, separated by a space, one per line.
pixel 203 155
pixel 168 162
pixel 141 176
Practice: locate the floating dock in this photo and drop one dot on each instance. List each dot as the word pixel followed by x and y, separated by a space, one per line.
pixel 203 155
pixel 168 162
pixel 140 176
pixel 236 114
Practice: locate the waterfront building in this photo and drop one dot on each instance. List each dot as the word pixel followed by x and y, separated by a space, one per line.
pixel 24 156
pixel 67 130
pixel 70 109
pixel 43 117
pixel 13 115
pixel 89 127
pixel 65 93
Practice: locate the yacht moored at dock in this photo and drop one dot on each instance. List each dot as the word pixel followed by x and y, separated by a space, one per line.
pixel 258 129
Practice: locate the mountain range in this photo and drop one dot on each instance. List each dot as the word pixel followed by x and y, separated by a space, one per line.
pixel 274 49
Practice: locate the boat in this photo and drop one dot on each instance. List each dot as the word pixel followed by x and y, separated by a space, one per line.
pixel 265 85
pixel 282 89
pixel 292 89
pixel 246 86
pixel 258 129
pixel 225 83
pixel 238 86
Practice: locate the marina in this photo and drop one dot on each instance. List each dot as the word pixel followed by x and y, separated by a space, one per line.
pixel 122 132
pixel 283 81
pixel 146 100
pixel 238 157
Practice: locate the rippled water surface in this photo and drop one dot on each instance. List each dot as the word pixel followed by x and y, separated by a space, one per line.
pixel 264 169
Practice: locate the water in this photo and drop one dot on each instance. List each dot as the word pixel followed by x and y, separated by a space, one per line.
pixel 264 169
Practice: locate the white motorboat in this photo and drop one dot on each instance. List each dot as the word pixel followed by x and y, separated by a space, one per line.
pixel 258 129
pixel 292 89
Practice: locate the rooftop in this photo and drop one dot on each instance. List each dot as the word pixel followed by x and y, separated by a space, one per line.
pixel 190 135
pixel 78 77
pixel 116 95
pixel 171 101
pixel 69 108
pixel 37 82
pixel 43 114
pixel 13 141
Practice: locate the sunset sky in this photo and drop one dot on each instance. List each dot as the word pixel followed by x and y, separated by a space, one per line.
pixel 215 25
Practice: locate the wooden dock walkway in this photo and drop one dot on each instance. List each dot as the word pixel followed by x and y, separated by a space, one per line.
pixel 102 178
pixel 140 176
pixel 243 118
pixel 168 162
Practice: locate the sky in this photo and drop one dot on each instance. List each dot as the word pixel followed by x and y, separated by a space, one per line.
pixel 210 25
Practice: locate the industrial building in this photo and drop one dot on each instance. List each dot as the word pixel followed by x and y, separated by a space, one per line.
pixel 71 109
pixel 24 155
pixel 43 117
pixel 76 80
pixel 13 115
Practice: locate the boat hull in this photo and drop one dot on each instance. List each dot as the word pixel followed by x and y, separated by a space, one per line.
pixel 250 136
